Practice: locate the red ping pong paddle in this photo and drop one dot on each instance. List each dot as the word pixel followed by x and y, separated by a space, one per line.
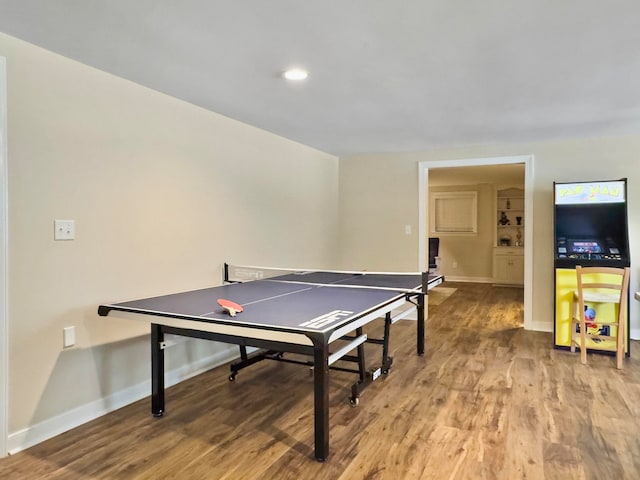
pixel 229 306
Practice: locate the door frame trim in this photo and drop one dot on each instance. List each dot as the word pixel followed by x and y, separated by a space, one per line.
pixel 4 262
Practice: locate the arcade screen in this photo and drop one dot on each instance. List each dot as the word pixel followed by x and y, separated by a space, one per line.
pixel 585 247
pixel 592 222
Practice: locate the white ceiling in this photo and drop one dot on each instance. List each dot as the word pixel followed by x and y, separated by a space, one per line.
pixel 385 76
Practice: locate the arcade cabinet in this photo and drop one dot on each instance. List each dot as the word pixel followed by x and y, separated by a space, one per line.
pixel 590 228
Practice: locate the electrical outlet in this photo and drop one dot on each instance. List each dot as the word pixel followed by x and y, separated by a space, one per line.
pixel 454 265
pixel 64 229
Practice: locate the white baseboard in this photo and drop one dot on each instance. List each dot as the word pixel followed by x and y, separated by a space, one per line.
pixel 542 327
pixel 51 427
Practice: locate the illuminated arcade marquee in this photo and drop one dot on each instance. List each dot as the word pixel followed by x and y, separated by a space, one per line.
pixel 590 192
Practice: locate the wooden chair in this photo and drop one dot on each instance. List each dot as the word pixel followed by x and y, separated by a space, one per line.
pixel 597 286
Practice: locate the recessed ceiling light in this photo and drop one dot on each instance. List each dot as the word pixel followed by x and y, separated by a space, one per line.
pixel 295 74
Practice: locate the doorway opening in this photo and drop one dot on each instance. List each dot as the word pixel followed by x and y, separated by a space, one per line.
pixel 423 196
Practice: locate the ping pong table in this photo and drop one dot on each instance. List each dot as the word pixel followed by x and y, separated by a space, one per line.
pixel 319 314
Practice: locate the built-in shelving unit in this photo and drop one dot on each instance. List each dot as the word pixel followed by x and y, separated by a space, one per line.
pixel 508 251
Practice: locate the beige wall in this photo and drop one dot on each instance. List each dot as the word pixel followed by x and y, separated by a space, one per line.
pixel 378 199
pixel 365 211
pixel 162 193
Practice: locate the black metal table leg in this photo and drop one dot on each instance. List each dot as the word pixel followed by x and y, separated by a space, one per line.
pixel 157 370
pixel 421 323
pixel 362 364
pixel 421 306
pixel 387 333
pixel 321 398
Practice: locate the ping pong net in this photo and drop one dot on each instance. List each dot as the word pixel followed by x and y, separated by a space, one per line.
pixel 246 273
pixel 395 281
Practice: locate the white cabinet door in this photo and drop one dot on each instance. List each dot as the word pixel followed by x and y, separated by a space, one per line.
pixel 508 268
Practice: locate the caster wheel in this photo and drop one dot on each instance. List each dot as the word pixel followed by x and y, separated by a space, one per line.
pixel 354 401
pixel 232 377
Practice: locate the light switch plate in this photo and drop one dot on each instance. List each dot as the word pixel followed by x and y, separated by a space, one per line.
pixel 68 336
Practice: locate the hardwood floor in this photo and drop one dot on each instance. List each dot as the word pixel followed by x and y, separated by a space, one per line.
pixel 487 401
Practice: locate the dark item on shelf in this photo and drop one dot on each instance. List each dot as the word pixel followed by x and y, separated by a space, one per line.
pixel 505 241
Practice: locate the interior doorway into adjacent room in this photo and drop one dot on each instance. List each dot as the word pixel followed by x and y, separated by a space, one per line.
pixel 423 196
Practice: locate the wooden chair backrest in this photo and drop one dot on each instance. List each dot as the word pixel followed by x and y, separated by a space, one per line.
pixel 588 279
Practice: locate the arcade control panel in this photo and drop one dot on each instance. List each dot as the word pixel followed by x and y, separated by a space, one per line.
pixel 589 251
